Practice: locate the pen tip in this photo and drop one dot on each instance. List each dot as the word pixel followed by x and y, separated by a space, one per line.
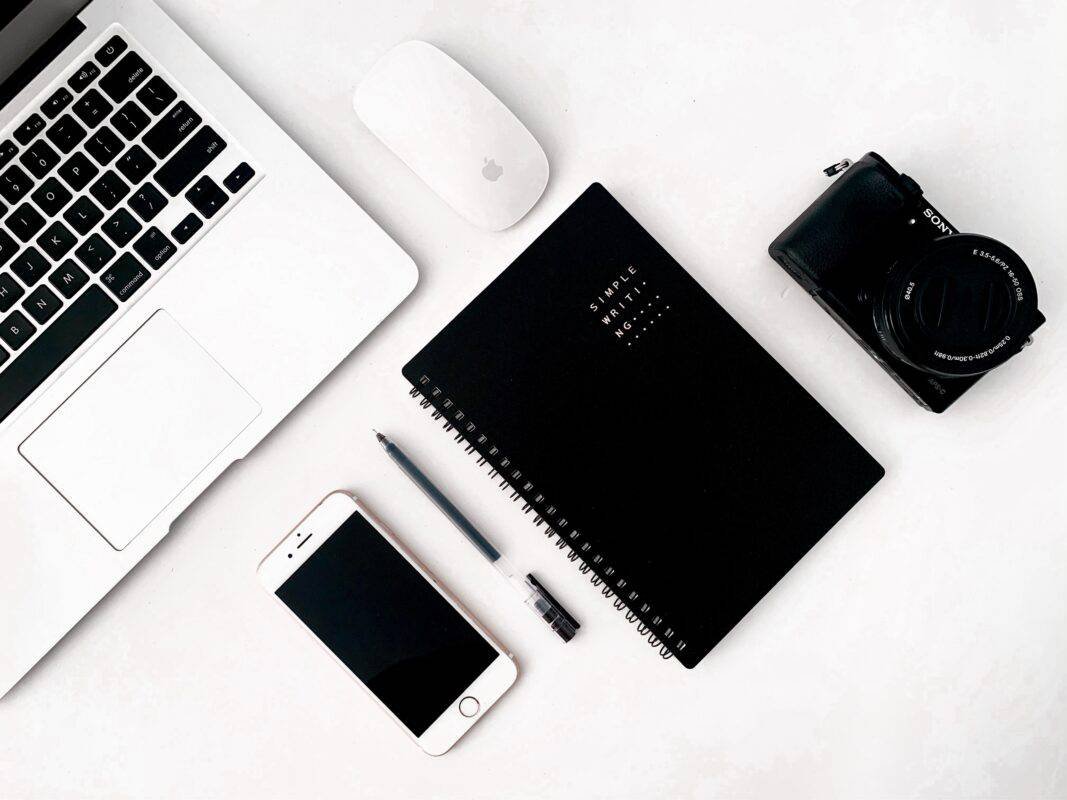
pixel 380 437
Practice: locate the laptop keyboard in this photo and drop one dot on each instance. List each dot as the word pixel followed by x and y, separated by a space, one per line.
pixel 105 181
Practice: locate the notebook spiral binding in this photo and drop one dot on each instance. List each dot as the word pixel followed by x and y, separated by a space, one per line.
pixel 432 397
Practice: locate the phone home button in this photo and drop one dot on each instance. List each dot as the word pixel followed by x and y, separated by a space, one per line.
pixel 469 706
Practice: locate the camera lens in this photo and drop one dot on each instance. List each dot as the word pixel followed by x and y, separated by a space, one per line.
pixel 962 305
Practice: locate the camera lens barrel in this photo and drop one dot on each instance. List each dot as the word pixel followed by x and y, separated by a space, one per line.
pixel 961 305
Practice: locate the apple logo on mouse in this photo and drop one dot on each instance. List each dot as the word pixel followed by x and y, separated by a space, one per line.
pixel 491 171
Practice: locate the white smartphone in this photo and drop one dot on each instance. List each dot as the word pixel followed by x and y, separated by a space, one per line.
pixel 386 620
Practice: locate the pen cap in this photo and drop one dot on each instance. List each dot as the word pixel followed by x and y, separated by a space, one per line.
pixel 550 609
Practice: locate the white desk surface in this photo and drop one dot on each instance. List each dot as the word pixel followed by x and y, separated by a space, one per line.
pixel 919 650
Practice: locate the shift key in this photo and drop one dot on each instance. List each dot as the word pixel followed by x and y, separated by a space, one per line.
pixel 190 160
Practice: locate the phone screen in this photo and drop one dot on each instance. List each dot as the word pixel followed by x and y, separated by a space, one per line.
pixel 387 623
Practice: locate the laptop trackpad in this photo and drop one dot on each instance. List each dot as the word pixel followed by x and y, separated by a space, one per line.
pixel 140 429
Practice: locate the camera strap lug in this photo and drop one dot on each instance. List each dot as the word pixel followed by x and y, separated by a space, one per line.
pixel 840 166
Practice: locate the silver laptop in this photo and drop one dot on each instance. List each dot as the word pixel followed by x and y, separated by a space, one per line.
pixel 175 276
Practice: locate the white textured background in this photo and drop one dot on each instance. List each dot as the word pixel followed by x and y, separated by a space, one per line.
pixel 919 650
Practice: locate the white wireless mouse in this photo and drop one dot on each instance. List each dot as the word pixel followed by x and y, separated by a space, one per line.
pixel 454 134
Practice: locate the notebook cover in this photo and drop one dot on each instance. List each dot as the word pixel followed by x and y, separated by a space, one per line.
pixel 661 443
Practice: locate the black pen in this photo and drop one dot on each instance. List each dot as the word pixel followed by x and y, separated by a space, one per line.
pixel 533 593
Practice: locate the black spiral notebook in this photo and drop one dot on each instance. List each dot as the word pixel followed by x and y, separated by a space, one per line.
pixel 641 426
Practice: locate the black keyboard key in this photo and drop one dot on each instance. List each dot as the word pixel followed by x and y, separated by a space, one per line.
pixel 109 190
pixel 57 240
pixel 121 227
pixel 42 304
pixel 206 197
pixel 187 228
pixel 125 76
pixel 93 108
pixel 33 125
pixel 190 160
pixel 241 175
pixel 147 202
pixel 95 253
pixel 83 77
pixel 59 100
pixel 10 292
pixel 130 120
pixel 104 145
pixel 125 277
pixel 156 95
pixel 66 133
pixel 83 215
pixel 168 133
pixel 68 278
pixel 8 248
pixel 52 197
pixel 25 222
pixel 8 150
pixel 114 48
pixel 3 356
pixel 78 171
pixel 16 330
pixel 39 158
pixel 14 184
pixel 155 248
pixel 30 266
pixel 65 335
pixel 135 164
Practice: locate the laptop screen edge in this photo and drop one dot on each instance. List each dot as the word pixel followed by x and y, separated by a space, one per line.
pixel 33 39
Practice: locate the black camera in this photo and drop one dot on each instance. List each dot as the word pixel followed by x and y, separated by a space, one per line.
pixel 936 308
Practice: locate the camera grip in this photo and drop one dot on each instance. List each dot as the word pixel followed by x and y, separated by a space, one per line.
pixel 845 228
